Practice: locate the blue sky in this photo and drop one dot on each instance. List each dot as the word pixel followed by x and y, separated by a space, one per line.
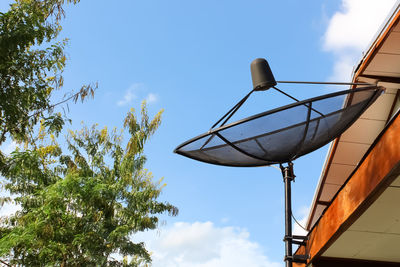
pixel 192 59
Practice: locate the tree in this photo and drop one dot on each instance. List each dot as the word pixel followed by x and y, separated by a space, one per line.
pixel 31 66
pixel 78 209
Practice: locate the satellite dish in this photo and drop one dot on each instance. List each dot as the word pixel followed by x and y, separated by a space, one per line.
pixel 280 135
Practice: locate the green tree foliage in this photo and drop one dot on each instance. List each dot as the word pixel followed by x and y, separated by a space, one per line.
pixel 76 208
pixel 31 66
pixel 79 208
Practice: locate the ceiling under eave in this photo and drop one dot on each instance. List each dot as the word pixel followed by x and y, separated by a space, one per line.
pixel 375 235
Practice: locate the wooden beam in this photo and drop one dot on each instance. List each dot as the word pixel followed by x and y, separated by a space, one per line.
pixel 381 78
pixel 324 203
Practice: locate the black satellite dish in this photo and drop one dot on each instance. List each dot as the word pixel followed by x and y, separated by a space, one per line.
pixel 280 135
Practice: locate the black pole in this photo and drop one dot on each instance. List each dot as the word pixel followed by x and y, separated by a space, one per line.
pixel 288 177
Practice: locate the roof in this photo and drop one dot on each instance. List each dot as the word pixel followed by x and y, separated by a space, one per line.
pixel 380 64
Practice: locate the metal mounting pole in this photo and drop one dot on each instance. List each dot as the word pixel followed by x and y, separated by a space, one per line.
pixel 289 239
pixel 288 177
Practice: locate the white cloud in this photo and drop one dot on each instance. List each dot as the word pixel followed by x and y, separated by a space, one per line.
pixel 343 66
pixel 135 91
pixel 129 95
pixel 204 245
pixel 351 29
pixel 225 220
pixel 302 220
pixel 151 98
pixel 9 147
pixel 8 209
